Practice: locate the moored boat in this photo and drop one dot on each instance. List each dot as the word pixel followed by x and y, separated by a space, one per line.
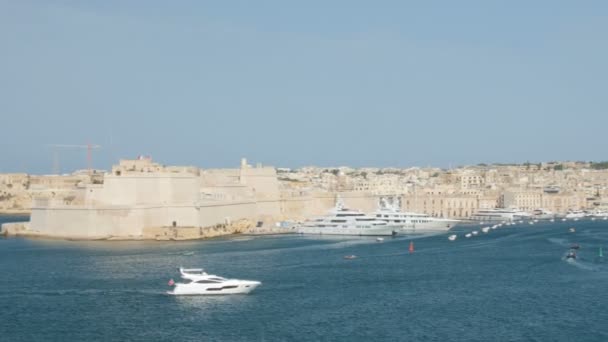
pixel 344 221
pixel 409 221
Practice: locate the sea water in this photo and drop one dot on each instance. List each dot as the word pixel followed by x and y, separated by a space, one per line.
pixel 511 284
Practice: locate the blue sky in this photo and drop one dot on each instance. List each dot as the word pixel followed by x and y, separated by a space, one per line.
pixel 285 83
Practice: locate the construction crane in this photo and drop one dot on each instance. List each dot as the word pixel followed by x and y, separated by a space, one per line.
pixel 89 148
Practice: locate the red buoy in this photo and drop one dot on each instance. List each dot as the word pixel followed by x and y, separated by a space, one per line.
pixel 411 247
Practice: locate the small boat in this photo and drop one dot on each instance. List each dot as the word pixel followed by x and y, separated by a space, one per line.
pixel 468 235
pixel 350 257
pixel 571 255
pixel 531 222
pixel 198 282
pixel 572 230
pixel 564 219
pixel 452 237
pixel 475 232
pixel 379 239
pixel 485 230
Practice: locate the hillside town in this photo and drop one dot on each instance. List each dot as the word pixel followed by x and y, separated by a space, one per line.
pixel 558 187
pixel 142 198
pixel 455 193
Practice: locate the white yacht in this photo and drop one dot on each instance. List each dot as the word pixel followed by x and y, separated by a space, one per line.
pixel 409 221
pixel 499 214
pixel 198 282
pixel 344 221
pixel 575 214
pixel 598 213
pixel 542 214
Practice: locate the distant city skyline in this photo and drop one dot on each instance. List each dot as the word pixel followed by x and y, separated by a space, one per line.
pixel 346 83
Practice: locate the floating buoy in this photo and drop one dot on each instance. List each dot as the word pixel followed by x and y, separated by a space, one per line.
pixel 171 282
pixel 411 250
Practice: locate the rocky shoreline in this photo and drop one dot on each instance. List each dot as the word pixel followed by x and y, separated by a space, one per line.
pixel 243 227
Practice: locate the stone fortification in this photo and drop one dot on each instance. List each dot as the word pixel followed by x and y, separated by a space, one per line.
pixel 140 199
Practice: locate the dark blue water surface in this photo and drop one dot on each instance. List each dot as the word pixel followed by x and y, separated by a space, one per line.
pixel 511 284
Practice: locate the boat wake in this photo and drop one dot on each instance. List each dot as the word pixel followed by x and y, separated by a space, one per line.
pixel 583 265
pixel 80 292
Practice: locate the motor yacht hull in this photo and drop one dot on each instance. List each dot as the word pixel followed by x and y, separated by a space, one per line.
pixel 384 230
pixel 437 225
pixel 225 288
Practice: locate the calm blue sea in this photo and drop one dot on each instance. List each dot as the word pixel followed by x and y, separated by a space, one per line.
pixel 511 284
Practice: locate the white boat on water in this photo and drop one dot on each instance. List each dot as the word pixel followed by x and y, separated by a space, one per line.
pixel 598 214
pixel 198 282
pixel 575 214
pixel 542 214
pixel 411 222
pixel 344 221
pixel 452 237
pixel 498 214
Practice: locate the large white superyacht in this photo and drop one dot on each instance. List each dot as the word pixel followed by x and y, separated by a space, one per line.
pixel 344 221
pixel 409 221
pixel 499 214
